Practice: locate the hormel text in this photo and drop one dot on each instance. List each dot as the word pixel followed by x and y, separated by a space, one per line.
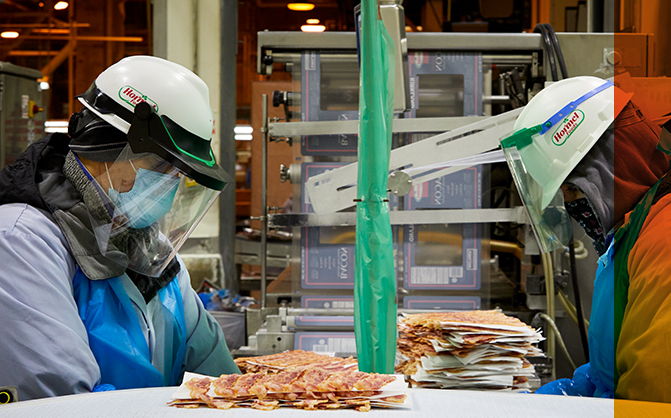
pixel 134 97
pixel 567 127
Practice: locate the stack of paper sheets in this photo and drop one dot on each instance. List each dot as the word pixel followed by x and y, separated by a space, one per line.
pixel 467 350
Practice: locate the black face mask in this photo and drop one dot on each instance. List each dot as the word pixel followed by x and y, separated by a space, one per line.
pixel 584 214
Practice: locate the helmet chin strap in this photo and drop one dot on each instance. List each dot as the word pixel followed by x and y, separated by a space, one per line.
pixel 108 176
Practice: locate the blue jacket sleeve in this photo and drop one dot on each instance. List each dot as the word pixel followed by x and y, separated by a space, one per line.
pixel 206 349
pixel 44 344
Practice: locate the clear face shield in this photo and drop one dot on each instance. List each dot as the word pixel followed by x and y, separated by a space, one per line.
pixel 551 223
pixel 149 208
pixel 541 157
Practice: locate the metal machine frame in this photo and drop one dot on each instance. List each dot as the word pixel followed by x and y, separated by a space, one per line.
pixel 504 50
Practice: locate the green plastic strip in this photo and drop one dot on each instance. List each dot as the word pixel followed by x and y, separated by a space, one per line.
pixel 374 275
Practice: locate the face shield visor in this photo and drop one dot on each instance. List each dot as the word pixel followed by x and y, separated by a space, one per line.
pixel 541 157
pixel 551 223
pixel 149 208
pixel 148 201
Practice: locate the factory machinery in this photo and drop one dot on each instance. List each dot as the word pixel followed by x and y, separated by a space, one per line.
pixel 461 235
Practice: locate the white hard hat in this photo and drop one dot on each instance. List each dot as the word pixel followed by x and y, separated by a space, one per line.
pixel 553 133
pixel 152 98
pixel 575 128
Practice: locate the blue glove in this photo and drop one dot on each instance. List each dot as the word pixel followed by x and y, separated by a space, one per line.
pixel 205 297
pixel 103 387
pixel 582 384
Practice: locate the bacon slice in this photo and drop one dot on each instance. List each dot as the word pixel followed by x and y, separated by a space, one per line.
pixel 373 381
pixel 199 388
pixel 283 381
pixel 223 386
pixel 334 405
pixel 310 380
pixel 394 399
pixel 362 405
pixel 265 405
pixel 309 404
pixel 222 404
pixel 295 359
pixel 188 406
pixel 243 385
pixel 329 386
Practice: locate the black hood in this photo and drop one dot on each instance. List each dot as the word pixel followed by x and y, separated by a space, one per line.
pixel 36 169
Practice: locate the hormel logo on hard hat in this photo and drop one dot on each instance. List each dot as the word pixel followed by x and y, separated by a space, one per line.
pixel 133 97
pixel 567 127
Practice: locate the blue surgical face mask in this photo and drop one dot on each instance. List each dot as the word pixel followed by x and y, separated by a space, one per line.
pixel 149 200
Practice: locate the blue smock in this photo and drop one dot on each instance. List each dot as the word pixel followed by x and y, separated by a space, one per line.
pixel 595 379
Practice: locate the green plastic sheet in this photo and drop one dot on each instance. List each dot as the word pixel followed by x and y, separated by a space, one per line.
pixel 374 275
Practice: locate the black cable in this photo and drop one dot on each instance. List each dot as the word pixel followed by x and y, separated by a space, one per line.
pixel 578 301
pixel 557 48
pixel 547 49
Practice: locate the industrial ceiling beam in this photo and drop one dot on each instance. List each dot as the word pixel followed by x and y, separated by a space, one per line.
pixel 26 53
pixel 56 61
pixel 61 25
pixel 91 38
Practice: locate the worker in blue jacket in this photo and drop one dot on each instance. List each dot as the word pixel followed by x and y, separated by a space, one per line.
pixel 93 295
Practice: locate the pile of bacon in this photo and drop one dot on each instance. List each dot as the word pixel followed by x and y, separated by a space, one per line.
pixel 295 359
pixel 482 350
pixel 305 381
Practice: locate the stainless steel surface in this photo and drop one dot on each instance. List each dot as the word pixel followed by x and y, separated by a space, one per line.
pixel 18 87
pixel 285 173
pixel 274 323
pixel 293 326
pixel 350 56
pixel 393 17
pixel 416 41
pixel 399 183
pixel 352 126
pixel 453 216
pixel 496 99
pixel 595 12
pixel 255 317
pixel 229 49
pixel 316 312
pixel 270 43
pixel 249 252
pixel 9 68
pixel 474 41
pixel 440 95
pixel 286 312
pixel 264 197
pixel 267 41
pixel 583 53
pixel 487 74
pixel 275 341
pixel 609 17
pixel 503 59
pixel 333 191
